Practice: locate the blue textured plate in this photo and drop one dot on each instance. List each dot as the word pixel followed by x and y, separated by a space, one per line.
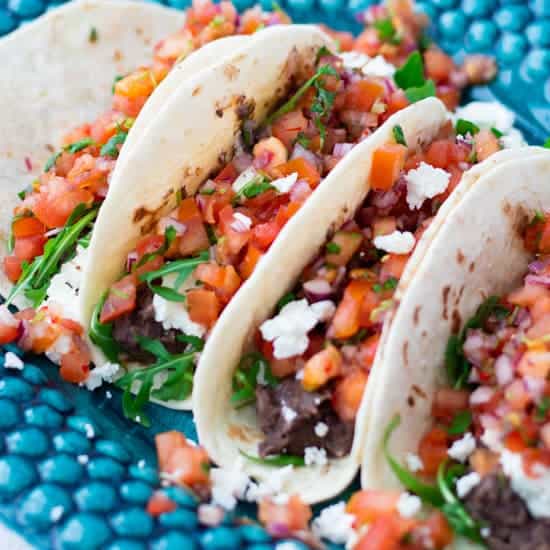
pixel 61 488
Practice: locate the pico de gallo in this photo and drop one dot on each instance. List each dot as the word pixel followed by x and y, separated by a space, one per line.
pixel 489 447
pixel 312 361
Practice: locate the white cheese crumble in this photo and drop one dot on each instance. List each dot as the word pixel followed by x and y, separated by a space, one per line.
pixel 354 60
pixel 12 361
pixel 324 310
pixel 491 114
pixel 273 485
pixel 228 485
pixel 321 429
pixel 284 185
pixel 425 182
pixel 313 456
pixel 288 330
pixel 414 462
pixel 396 243
pixel 245 177
pixel 7 318
pixel 241 223
pixel 408 505
pixel 492 439
pixel 535 491
pixel 60 347
pixel 485 532
pixel 98 375
pixel 466 483
pixel 65 285
pixel 174 315
pixel 462 448
pixel 378 66
pixel 288 414
pixel 334 524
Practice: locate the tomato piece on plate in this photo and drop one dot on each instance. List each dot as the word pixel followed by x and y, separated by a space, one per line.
pixel 293 514
pixel 121 299
pixel 75 365
pixel 387 163
pixel 160 504
pixel 369 505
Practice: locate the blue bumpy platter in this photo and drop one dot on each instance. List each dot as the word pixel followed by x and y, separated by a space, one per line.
pixel 74 474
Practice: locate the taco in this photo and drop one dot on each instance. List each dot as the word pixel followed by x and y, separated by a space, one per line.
pixel 289 390
pixel 460 404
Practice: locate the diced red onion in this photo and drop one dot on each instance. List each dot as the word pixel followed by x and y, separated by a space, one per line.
pixel 504 370
pixel 317 290
pixel 167 221
pixel 340 276
pixel 389 85
pixel 489 421
pixel 539 266
pixel 306 154
pixel 131 259
pixel 242 161
pixel 481 395
pixel 300 191
pixel 53 232
pixel 541 280
pixel 341 149
pixel 534 386
pixel 28 164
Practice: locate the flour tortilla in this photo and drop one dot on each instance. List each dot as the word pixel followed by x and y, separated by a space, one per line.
pixel 477 251
pixel 226 432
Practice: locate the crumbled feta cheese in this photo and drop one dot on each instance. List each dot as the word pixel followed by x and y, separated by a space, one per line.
pixel 324 310
pixel 283 185
pixel 462 448
pixel 354 60
pixel 60 347
pixel 271 486
pixel 245 177
pixel 65 285
pixel 321 429
pixel 535 491
pixel 395 243
pixel 280 499
pixel 313 456
pixel 98 375
pixel 83 459
pixel 174 315
pixel 492 439
pixel 466 483
pixel 241 223
pixel 334 524
pixel 425 182
pixel 414 462
pixel 288 414
pixel 11 361
pixel 288 330
pixel 378 66
pixel 56 512
pixel 408 505
pixel 228 485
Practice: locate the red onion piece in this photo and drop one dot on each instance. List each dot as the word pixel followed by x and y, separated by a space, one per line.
pixel 242 161
pixel 542 280
pixel 481 395
pixel 131 259
pixel 341 149
pixel 504 370
pixel 300 191
pixel 317 290
pixel 167 221
pixel 306 154
pixel 539 266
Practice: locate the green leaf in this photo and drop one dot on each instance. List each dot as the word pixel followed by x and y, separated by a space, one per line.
pixel 117 78
pixel 390 284
pixel 421 92
pixel 196 343
pixel 276 461
pixel 79 145
pixel 464 127
pixel 185 266
pixel 303 140
pixel 460 423
pixel 93 36
pixel 169 237
pixel 286 299
pixel 323 51
pixel 256 186
pixel 542 409
pixel 546 144
pixel 429 494
pixel 101 334
pixel 50 163
pixel 387 31
pixel 399 136
pixel 333 248
pixel 110 149
pixel 497 133
pixel 411 73
pixel 155 347
pixel 245 378
pixel 167 293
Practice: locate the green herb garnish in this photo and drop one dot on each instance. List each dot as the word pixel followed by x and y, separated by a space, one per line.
pixel 277 461
pixel 399 136
pixel 411 73
pixel 110 149
pixel 542 409
pixel 286 299
pixel 464 127
pixel 196 343
pixel 79 145
pixel 496 132
pixel 101 334
pixel 460 423
pixel 387 31
pixel 546 144
pixel 421 92
pixel 245 379
pixel 303 140
pixel 256 186
pixel 93 36
pixel 333 248
pixel 117 78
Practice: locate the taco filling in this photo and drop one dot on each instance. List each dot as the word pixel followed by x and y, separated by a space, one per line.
pixel 309 370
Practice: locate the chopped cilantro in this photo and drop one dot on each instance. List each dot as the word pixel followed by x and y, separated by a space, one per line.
pixel 117 78
pixel 464 127
pixel 387 31
pixel 460 423
pixel 399 136
pixel 50 163
pixel 542 409
pixel 390 284
pixel 421 92
pixel 110 149
pixel 496 132
pixel 22 194
pixel 537 218
pixel 217 21
pixel 256 186
pixel 411 73
pixel 286 299
pixel 303 140
pixel 210 191
pixel 253 369
pixel 79 145
pixel 333 248
pixel 323 51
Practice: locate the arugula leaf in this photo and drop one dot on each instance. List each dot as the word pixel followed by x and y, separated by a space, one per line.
pixel 183 268
pixel 79 145
pixel 496 132
pixel 464 127
pixel 196 343
pixel 245 378
pixel 50 163
pixel 429 494
pixel 276 461
pixel 387 31
pixel 169 237
pixel 293 101
pixel 457 516
pixel 286 299
pixel 110 149
pixel 333 248
pixel 542 409
pixel 323 51
pixel 421 92
pixel 461 422
pixel 155 347
pixel 411 73
pixel 101 334
pixel 399 136
pixel 168 293
pixel 256 186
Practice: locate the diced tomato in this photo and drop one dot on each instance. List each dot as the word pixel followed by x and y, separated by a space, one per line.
pixel 437 65
pixel 367 351
pixel 188 464
pixel 362 94
pixel 71 326
pixel 105 127
pixel 152 265
pixel 12 268
pixel 203 306
pixel 383 534
pixel 515 442
pixel 54 211
pixel 121 299
pixel 534 364
pixel 235 240
pixel 223 279
pixel 303 168
pixel 140 83
pixel 293 514
pixel 27 226
pixel 41 334
pixel 484 462
pixel 149 244
pixel 287 127
pixel 393 266
pixel 286 212
pixel 368 42
pixel 264 234
pixel 9 326
pixel 195 239
pixel 345 322
pixel 344 40
pixel 440 153
pixel 343 246
pixel 75 365
pixel 279 367
pixel 27 248
pixel 160 504
pixel 486 144
pixel 252 257
pixel 537 236
pixel 322 367
pixel 439 530
pixel 228 174
pixel 387 163
pixel 533 460
pixel 76 134
pixel 348 394
pixel 211 205
pixel 448 402
pixel 398 101
pixel 433 450
pixel 371 300
pixel 369 505
pixel 449 95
